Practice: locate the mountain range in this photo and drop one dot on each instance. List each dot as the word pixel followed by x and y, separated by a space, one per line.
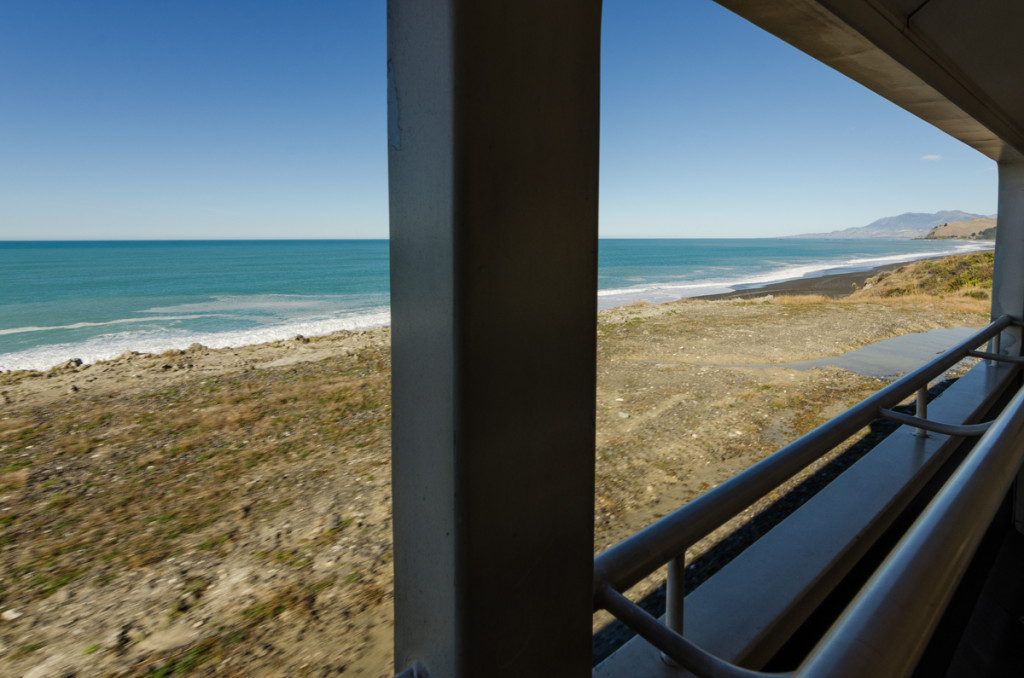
pixel 907 225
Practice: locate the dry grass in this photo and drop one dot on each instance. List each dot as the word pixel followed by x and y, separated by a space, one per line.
pixel 802 299
pixel 126 487
pixel 967 275
pixel 959 284
pixel 952 303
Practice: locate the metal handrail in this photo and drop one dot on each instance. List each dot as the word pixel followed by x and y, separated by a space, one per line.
pixel 417 670
pixel 679 649
pixel 885 629
pixel 965 430
pixel 626 563
pixel 998 357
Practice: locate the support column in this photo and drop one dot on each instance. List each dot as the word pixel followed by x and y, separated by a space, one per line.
pixel 493 171
pixel 1008 279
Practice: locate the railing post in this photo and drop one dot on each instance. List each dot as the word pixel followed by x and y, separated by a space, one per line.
pixel 675 594
pixel 996 347
pixel 922 409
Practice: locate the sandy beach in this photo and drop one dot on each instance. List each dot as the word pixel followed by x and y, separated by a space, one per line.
pixel 228 511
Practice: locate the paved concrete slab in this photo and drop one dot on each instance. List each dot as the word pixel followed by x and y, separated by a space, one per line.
pixel 893 357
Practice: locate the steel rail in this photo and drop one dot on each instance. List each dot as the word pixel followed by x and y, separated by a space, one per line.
pixel 695 659
pixel 965 430
pixel 887 626
pixel 998 357
pixel 626 563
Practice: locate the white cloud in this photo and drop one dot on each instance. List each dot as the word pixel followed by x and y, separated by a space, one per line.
pixel 931 158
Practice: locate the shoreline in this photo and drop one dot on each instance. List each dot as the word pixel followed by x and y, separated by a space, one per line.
pixel 833 285
pixel 236 311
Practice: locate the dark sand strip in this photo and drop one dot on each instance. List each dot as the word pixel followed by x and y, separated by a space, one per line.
pixel 836 285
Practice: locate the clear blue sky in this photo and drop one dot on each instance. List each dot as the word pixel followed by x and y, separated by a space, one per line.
pixel 165 119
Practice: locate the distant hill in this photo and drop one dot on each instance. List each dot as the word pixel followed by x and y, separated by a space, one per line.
pixel 962 275
pixel 908 225
pixel 975 229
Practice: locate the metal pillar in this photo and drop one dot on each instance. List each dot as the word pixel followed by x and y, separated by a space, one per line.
pixel 1008 279
pixel 493 172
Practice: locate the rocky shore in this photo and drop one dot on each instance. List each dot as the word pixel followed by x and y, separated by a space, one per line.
pixel 227 512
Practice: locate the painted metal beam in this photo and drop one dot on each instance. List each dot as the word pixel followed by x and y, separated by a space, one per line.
pixel 919 60
pixel 1008 281
pixel 493 115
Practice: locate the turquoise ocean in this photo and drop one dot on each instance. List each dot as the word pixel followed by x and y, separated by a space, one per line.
pixel 97 300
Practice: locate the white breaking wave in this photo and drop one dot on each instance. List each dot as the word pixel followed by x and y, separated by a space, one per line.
pixel 254 302
pixel 110 346
pixel 120 321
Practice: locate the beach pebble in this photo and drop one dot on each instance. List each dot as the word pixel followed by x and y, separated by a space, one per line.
pixel 11 615
pixel 624 415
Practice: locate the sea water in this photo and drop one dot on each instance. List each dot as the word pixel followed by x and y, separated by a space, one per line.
pixel 96 300
pixel 664 270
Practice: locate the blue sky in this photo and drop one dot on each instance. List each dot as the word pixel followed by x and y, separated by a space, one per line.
pixel 163 119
